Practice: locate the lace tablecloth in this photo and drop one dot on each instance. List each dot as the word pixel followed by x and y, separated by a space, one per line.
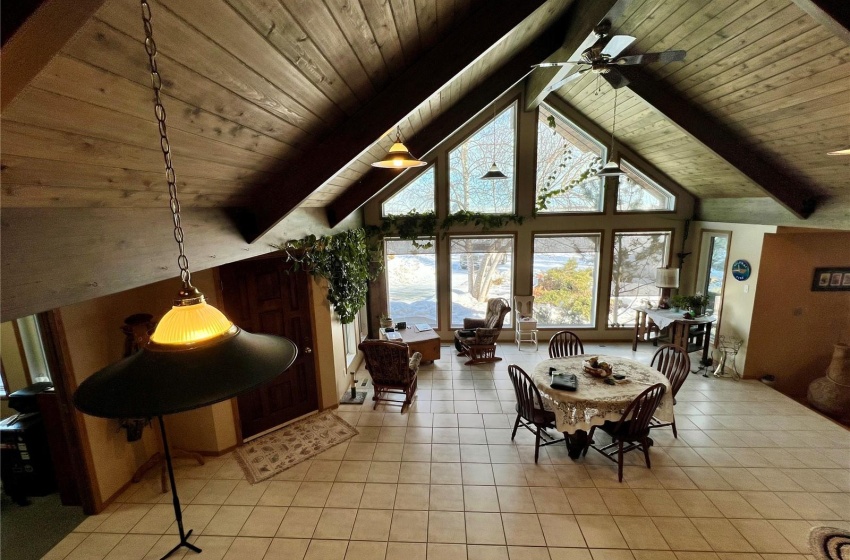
pixel 596 402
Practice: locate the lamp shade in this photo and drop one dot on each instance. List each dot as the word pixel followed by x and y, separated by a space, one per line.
pixel 160 380
pixel 494 173
pixel 191 324
pixel 611 169
pixel 398 158
pixel 667 278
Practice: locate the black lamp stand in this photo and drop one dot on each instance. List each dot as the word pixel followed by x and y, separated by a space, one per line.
pixel 178 514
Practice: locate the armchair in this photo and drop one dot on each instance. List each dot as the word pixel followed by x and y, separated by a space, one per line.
pixel 392 369
pixel 477 339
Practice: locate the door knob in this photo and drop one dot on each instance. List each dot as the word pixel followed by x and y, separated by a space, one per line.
pixel 308 350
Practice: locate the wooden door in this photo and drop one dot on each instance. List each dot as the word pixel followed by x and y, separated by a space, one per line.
pixel 260 296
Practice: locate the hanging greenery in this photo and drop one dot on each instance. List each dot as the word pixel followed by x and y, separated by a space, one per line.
pixel 416 227
pixel 346 260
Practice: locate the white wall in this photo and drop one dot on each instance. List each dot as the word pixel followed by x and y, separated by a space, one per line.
pixel 738 297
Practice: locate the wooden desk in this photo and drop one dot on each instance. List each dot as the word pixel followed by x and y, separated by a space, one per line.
pixel 426 343
pixel 689 334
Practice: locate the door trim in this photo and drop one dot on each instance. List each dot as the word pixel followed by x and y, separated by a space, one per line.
pixel 65 384
pixel 700 255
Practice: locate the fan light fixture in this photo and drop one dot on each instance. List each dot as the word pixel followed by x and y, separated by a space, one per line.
pixel 612 168
pixel 196 356
pixel 494 172
pixel 844 152
pixel 399 157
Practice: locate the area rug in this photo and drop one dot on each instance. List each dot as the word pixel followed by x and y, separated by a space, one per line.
pixel 273 453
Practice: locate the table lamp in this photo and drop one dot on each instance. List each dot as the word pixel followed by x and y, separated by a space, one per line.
pixel 666 279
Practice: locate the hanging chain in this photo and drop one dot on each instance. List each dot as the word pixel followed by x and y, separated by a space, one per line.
pixel 159 111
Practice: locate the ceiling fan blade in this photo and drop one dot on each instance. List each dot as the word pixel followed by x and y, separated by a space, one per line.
pixel 617 44
pixel 575 75
pixel 647 58
pixel 615 78
pixel 557 64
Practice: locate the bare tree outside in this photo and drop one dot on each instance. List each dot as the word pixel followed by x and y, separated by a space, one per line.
pixel 637 192
pixel 417 196
pixel 566 162
pixel 636 257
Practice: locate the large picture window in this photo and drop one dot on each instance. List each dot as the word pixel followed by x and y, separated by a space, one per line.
pixel 567 160
pixel 474 156
pixel 411 275
pixel 637 255
pixel 638 193
pixel 417 196
pixel 481 268
pixel 565 278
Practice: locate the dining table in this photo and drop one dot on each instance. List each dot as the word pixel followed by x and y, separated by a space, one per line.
pixel 594 401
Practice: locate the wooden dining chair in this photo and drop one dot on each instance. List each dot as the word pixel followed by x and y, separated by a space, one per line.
pixel 632 428
pixel 531 412
pixel 674 363
pixel 565 343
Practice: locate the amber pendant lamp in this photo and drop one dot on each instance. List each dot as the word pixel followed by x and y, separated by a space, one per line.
pixel 398 156
pixel 196 356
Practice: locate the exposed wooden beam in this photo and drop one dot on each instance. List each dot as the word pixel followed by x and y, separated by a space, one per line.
pixel 431 71
pixel 833 213
pixel 832 14
pixel 584 15
pixel 798 197
pixel 38 40
pixel 460 113
pixel 54 257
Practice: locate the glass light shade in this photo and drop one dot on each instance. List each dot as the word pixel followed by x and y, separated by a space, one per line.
pixel 398 158
pixel 494 173
pixel 844 152
pixel 185 325
pixel 667 278
pixel 611 169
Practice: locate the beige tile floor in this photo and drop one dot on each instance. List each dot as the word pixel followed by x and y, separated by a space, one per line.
pixel 748 476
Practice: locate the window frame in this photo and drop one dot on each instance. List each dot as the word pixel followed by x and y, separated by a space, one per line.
pixel 513 237
pixel 625 163
pixel 604 155
pixel 597 275
pixel 436 277
pixel 666 261
pixel 487 114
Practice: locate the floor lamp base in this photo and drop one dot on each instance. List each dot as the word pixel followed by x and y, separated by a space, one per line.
pixel 183 542
pixel 178 514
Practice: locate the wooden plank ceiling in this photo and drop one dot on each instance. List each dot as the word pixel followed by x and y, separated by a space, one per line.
pixel 250 85
pixel 763 68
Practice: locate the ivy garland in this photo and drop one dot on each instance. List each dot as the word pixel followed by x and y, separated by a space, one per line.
pixel 415 227
pixel 344 259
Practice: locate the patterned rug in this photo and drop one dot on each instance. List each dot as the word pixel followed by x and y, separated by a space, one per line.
pixel 266 456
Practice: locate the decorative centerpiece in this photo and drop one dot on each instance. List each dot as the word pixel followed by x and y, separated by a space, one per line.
pixel 596 368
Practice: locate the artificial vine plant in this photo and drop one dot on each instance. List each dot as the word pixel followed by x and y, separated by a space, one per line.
pixel 416 227
pixel 344 259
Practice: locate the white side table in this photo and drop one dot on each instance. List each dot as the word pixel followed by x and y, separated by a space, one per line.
pixel 526 331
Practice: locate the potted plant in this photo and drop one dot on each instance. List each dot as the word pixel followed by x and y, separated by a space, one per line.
pixel 696 304
pixel 677 302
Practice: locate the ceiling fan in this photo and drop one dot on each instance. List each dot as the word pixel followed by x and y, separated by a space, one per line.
pixel 603 58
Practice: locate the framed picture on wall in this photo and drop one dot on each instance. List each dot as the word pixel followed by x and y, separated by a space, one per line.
pixel 831 279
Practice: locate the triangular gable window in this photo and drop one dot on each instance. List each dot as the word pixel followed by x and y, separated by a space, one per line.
pixel 417 196
pixel 567 160
pixel 638 193
pixel 473 158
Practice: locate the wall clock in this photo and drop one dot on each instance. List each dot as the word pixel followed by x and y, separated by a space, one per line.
pixel 741 270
